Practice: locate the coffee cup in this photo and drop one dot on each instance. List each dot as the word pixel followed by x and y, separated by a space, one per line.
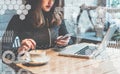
pixel 36 55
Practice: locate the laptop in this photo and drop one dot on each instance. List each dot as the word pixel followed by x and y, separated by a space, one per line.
pixel 87 50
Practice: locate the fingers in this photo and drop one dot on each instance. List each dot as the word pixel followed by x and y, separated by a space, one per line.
pixel 62 42
pixel 26 45
pixel 30 43
pixel 59 37
pixel 22 50
pixel 33 42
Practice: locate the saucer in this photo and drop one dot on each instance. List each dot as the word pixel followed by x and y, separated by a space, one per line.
pixel 39 61
pixel 36 61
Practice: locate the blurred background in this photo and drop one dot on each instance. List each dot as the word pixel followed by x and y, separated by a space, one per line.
pixel 84 15
pixel 71 10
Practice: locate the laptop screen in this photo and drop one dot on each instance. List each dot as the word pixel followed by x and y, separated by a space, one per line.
pixel 106 39
pixel 107 36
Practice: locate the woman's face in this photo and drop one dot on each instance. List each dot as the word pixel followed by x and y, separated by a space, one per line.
pixel 46 5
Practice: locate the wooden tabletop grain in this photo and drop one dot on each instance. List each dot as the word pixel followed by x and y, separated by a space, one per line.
pixel 106 63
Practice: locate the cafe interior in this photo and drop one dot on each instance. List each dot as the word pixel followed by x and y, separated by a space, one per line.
pixel 94 26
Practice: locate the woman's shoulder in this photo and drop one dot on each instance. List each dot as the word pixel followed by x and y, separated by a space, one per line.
pixel 15 17
pixel 15 21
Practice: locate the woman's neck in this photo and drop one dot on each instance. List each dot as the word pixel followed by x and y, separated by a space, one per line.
pixel 45 14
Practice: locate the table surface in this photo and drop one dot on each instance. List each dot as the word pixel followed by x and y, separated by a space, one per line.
pixel 106 63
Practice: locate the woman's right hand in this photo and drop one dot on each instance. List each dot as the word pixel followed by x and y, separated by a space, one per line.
pixel 26 45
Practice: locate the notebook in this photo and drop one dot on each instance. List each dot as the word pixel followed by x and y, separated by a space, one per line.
pixel 87 50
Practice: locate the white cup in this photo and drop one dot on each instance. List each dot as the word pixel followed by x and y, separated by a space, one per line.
pixel 36 55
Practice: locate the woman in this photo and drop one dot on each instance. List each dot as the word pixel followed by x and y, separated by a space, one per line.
pixel 42 28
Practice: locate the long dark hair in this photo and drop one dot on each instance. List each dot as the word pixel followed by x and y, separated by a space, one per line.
pixel 39 16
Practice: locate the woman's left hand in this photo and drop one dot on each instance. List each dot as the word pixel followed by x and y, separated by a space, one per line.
pixel 62 42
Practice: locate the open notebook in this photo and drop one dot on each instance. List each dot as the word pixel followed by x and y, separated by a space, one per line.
pixel 88 50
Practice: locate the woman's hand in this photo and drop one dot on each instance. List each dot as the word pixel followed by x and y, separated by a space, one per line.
pixel 26 45
pixel 62 41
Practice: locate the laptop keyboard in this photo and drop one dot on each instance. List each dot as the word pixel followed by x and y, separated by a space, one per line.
pixel 86 50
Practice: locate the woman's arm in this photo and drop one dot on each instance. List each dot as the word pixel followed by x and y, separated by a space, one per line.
pixel 63 31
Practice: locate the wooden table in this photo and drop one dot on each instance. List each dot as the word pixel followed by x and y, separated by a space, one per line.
pixel 106 63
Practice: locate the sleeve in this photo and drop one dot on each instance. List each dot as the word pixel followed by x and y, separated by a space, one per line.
pixel 10 34
pixel 63 31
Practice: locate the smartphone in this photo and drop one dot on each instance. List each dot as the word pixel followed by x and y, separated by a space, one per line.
pixel 65 37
